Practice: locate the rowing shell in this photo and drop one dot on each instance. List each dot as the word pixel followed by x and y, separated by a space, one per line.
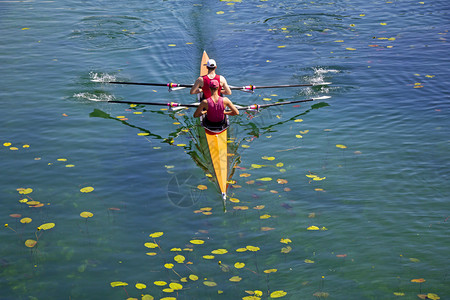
pixel 217 144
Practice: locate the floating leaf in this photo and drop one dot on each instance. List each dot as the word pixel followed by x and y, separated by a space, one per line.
pixel 239 265
pixel 419 280
pixel 319 178
pixel 285 241
pixel 219 251
pixel 241 249
pixel 251 298
pixel 341 146
pixel 282 181
pixel 140 286
pixel 278 294
pixel 147 297
pixel 234 200
pixel 202 187
pixel 399 294
pixel 25 191
pixel 286 249
pixel 268 157
pixel 313 228
pixel 87 189
pixel 156 234
pixel 30 243
pixel 265 216
pixel 175 286
pixel 209 283
pixel 252 248
pixel 151 245
pixel 433 296
pixel 33 203
pixel 270 271
pixel 118 283
pixel 350 49
pixel 308 261
pixel 264 179
pixel 193 277
pixel 321 294
pixel 240 207
pixel 197 242
pixel 235 279
pixel 151 253
pixel 25 220
pixel 168 266
pixel 179 259
pixel 414 259
pixel 255 166
pixel 267 228
pixel 159 283
pixel 46 226
pixel 86 214
pixel 208 256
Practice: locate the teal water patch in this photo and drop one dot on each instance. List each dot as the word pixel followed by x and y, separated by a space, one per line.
pixel 343 198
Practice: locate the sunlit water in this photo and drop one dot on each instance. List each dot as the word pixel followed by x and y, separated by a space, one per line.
pixel 379 199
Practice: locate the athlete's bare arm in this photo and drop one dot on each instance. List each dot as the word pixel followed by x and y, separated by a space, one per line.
pixel 225 87
pixel 233 110
pixel 201 109
pixel 197 88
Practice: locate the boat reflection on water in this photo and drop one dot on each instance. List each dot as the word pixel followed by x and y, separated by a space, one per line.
pixel 242 128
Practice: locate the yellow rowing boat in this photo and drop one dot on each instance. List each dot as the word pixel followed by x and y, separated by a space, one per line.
pixel 217 144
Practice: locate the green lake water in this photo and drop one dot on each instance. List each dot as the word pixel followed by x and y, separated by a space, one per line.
pixel 343 198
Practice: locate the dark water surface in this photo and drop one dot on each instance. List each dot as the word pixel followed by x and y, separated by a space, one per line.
pixel 367 167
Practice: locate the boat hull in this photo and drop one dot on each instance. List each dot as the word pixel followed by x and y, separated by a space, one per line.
pixel 217 144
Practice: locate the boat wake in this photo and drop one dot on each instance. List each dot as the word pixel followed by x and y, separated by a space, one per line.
pixel 95 97
pixel 101 77
pixel 320 74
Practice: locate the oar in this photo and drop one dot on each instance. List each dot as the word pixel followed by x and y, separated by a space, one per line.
pixel 251 88
pixel 170 84
pixel 180 105
pixel 246 88
pixel 170 104
pixel 257 106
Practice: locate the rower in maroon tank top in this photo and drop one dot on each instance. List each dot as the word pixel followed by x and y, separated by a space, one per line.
pixel 202 84
pixel 214 106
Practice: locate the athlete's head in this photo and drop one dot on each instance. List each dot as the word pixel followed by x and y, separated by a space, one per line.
pixel 214 85
pixel 211 64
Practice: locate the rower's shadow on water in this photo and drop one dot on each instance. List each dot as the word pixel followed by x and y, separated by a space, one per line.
pixel 185 189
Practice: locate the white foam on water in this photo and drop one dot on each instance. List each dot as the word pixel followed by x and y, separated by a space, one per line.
pixel 94 97
pixel 101 77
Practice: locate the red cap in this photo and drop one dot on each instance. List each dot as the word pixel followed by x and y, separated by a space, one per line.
pixel 214 84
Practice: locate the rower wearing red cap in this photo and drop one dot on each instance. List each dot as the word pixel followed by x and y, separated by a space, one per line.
pixel 202 84
pixel 214 106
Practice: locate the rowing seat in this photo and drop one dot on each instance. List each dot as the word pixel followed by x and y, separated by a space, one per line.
pixel 215 127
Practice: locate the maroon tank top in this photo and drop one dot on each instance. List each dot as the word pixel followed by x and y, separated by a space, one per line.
pixel 215 110
pixel 205 88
